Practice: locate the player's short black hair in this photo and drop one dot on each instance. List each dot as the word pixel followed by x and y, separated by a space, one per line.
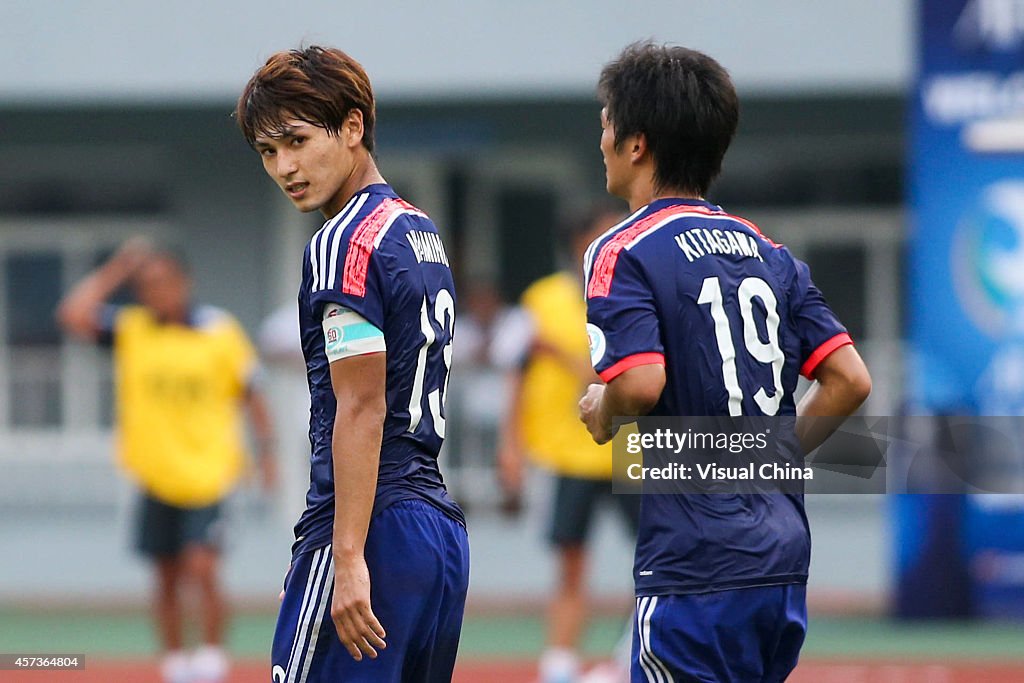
pixel 318 85
pixel 684 104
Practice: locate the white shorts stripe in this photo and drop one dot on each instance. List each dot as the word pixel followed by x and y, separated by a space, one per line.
pixel 336 242
pixel 651 675
pixel 325 600
pixel 655 660
pixel 316 575
pixel 310 581
pixel 655 669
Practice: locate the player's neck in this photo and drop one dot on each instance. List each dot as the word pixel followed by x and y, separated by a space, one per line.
pixel 177 316
pixel 364 173
pixel 676 194
pixel 645 192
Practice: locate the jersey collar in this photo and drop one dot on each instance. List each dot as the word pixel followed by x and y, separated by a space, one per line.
pixel 379 188
pixel 658 204
pixel 373 188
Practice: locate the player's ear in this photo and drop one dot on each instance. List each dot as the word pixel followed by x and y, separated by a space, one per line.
pixel 637 146
pixel 352 127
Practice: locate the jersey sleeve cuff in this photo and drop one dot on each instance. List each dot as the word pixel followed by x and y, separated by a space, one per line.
pixel 629 362
pixel 823 352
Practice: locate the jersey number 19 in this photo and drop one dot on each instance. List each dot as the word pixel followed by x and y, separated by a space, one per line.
pixel 767 353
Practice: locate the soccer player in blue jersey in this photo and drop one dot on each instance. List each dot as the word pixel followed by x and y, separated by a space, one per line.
pixel 376 316
pixel 692 311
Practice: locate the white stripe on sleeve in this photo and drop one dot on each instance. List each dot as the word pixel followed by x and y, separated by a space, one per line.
pixel 336 241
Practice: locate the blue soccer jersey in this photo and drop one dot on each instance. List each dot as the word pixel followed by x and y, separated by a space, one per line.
pixel 735 319
pixel 382 258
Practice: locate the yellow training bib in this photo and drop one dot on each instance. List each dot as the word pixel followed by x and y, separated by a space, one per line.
pixel 180 391
pixel 551 389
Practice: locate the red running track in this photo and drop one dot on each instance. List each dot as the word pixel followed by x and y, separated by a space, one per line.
pixel 514 671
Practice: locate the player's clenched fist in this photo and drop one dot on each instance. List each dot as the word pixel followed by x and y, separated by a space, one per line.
pixel 357 627
pixel 590 414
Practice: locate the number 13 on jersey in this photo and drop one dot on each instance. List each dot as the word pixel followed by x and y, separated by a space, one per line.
pixel 441 314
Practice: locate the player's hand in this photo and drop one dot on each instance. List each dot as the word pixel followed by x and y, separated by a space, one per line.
pixel 280 597
pixel 590 414
pixel 132 253
pixel 510 477
pixel 510 470
pixel 357 627
pixel 268 472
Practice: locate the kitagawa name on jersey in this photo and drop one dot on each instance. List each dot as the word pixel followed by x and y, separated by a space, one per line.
pixel 427 246
pixel 698 242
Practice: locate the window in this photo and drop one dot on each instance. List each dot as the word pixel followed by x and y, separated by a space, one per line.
pixel 50 384
pixel 32 285
pixel 855 256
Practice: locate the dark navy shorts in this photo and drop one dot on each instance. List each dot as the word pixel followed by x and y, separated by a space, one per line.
pixel 747 635
pixel 418 559
pixel 165 530
pixel 576 501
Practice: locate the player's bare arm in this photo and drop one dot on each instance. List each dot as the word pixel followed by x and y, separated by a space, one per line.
pixel 633 393
pixel 580 367
pixel 266 443
pixel 511 458
pixel 78 311
pixel 511 452
pixel 359 383
pixel 842 383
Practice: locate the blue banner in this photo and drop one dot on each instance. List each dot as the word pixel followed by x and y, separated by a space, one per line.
pixel 966 289
pixel 967 203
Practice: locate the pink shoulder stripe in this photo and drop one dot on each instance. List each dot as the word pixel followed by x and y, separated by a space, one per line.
pixel 744 221
pixel 361 244
pixel 603 270
pixel 608 256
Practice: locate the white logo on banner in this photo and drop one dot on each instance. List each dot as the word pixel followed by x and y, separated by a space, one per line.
pixel 993 25
pixel 988 257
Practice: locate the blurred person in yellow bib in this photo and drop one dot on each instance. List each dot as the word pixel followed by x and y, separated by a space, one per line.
pixel 184 374
pixel 549 353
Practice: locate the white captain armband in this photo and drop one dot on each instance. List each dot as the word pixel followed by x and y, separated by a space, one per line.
pixel 347 334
